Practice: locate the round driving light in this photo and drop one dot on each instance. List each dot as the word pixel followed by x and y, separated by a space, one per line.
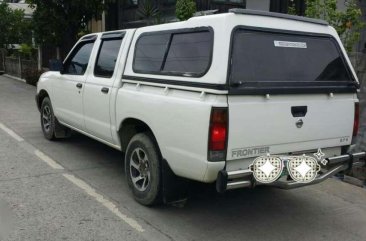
pixel 303 168
pixel 267 169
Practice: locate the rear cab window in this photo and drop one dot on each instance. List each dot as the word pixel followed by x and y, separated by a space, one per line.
pixel 185 52
pixel 275 62
pixel 107 57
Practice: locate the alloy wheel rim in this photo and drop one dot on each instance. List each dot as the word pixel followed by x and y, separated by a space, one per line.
pixel 140 169
pixel 46 118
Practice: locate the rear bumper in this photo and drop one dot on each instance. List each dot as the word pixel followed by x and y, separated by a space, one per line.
pixel 244 178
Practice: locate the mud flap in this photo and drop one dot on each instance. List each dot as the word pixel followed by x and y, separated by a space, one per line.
pixel 174 188
pixel 61 131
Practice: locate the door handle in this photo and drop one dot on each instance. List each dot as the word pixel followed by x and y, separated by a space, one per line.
pixel 105 90
pixel 79 85
pixel 299 111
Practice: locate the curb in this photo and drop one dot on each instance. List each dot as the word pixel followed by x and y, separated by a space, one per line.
pixel 14 77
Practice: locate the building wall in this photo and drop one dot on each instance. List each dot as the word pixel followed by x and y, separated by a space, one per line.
pixel 97 25
pixel 258 4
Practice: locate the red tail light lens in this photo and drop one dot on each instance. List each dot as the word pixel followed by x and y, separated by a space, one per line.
pixel 357 119
pixel 218 137
pixel 218 134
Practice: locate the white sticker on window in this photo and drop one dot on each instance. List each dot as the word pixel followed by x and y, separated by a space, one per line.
pixel 286 44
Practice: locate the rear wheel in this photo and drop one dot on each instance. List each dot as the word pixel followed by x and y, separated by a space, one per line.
pixel 142 168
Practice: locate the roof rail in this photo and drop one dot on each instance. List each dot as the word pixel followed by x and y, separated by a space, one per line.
pixel 277 15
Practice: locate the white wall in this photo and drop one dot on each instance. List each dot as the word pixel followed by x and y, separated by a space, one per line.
pixel 258 4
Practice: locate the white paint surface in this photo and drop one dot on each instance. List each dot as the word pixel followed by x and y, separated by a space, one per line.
pixel 48 160
pixel 11 132
pixel 105 202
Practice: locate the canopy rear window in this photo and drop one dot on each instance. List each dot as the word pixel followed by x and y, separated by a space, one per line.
pixel 261 58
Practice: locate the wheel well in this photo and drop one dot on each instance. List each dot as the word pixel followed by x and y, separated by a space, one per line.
pixel 42 94
pixel 131 127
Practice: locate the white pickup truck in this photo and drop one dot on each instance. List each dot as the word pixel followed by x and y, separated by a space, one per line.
pixel 202 99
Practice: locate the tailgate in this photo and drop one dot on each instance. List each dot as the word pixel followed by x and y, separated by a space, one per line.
pixel 288 92
pixel 291 123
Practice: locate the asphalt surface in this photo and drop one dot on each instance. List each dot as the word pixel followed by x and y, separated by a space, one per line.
pixel 74 189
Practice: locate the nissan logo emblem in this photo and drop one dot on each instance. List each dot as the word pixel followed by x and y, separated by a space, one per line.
pixel 299 123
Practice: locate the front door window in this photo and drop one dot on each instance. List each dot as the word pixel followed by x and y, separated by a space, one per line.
pixel 77 63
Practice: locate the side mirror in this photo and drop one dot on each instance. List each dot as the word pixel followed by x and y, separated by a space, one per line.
pixel 56 65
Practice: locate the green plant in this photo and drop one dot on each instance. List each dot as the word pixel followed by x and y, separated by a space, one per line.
pixel 348 23
pixel 148 9
pixel 25 50
pixel 57 22
pixel 291 8
pixel 184 9
pixel 13 27
pixel 83 32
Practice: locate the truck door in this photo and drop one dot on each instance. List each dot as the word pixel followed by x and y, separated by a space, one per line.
pixel 68 96
pixel 98 91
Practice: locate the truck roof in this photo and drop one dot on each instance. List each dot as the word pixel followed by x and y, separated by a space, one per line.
pixel 277 15
pixel 253 18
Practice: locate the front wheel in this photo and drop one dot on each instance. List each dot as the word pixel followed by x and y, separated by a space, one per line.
pixel 142 168
pixel 47 119
pixel 51 128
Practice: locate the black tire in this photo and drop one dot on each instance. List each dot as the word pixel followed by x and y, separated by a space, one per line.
pixel 143 153
pixel 47 119
pixel 51 128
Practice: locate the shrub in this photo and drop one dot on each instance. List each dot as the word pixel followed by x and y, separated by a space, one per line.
pixel 31 76
pixel 184 9
pixel 348 23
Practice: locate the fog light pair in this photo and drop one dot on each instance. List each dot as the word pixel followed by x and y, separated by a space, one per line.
pixel 267 169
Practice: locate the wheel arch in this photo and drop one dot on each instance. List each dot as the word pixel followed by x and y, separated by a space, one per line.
pixel 131 126
pixel 174 188
pixel 40 97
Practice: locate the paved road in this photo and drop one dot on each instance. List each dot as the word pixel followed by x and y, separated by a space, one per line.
pixel 75 190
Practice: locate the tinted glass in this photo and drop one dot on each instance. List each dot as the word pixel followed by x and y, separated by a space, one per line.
pixel 189 53
pixel 150 51
pixel 107 58
pixel 270 57
pixel 78 63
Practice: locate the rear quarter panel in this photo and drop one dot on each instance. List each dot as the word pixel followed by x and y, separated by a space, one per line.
pixel 179 120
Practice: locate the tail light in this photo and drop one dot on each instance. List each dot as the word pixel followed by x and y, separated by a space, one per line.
pixel 218 132
pixel 356 121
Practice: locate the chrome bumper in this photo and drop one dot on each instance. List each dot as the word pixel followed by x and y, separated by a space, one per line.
pixel 244 178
